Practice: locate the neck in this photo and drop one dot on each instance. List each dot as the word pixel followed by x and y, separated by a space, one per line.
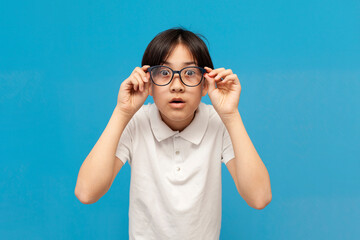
pixel 178 125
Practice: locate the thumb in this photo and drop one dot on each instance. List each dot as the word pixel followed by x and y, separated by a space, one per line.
pixel 145 67
pixel 211 83
pixel 147 86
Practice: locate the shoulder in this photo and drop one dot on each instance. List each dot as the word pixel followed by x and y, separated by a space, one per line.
pixel 143 112
pixel 141 117
pixel 213 115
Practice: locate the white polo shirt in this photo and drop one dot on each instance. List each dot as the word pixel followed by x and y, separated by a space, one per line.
pixel 175 186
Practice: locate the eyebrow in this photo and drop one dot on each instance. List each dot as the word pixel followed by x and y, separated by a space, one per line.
pixel 184 63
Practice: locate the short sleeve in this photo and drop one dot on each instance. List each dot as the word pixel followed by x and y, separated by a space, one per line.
pixel 227 148
pixel 123 151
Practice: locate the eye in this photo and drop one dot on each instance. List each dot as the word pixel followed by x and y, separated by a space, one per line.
pixel 190 72
pixel 164 72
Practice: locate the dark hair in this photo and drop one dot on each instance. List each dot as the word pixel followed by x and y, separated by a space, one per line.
pixel 164 43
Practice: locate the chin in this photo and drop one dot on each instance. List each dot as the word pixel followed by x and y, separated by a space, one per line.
pixel 176 115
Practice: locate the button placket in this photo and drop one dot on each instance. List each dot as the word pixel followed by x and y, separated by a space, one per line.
pixel 177 155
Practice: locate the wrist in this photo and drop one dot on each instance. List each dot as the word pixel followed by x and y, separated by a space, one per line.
pixel 124 113
pixel 230 117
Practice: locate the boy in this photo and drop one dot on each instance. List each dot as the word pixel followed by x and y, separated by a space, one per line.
pixel 175 147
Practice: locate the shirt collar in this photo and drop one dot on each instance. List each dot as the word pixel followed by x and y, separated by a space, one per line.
pixel 193 133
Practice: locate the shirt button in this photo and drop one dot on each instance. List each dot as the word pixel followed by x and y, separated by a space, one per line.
pixel 177 152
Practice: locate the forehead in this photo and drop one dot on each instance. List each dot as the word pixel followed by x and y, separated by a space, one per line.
pixel 180 56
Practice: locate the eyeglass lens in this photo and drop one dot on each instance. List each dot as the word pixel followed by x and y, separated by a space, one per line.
pixel 190 76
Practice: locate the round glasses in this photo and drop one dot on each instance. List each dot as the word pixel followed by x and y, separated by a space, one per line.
pixel 189 76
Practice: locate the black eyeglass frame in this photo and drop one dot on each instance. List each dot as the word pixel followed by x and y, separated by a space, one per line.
pixel 178 72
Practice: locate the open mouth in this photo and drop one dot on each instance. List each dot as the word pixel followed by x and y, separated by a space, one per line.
pixel 177 100
pixel 177 103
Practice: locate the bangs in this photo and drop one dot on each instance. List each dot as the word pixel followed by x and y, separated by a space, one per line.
pixel 160 48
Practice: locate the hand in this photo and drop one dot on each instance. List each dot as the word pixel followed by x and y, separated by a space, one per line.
pixel 226 94
pixel 134 91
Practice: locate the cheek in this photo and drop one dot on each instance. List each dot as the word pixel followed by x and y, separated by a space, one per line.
pixel 151 89
pixel 155 91
pixel 198 92
pixel 158 94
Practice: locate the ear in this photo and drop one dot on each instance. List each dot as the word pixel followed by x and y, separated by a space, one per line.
pixel 150 83
pixel 204 88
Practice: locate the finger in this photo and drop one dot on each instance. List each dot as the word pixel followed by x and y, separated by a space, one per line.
pixel 145 67
pixel 139 71
pixel 208 69
pixel 145 70
pixel 226 77
pixel 223 74
pixel 130 83
pixel 230 77
pixel 140 81
pixel 142 70
pixel 211 82
pixel 147 83
pixel 144 73
pixel 228 81
pixel 216 71
pixel 146 87
pixel 212 78
pixel 135 83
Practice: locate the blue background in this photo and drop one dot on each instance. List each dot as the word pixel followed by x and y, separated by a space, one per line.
pixel 61 66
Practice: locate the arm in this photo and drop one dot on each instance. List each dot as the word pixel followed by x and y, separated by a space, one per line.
pixel 249 173
pixel 97 171
pixel 101 165
pixel 253 181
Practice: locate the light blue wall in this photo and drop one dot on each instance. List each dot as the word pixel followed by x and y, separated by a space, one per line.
pixel 61 66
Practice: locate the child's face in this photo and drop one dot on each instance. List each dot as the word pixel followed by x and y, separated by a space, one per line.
pixel 175 116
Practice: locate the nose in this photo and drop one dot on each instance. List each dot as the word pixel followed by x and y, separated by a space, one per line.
pixel 176 85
